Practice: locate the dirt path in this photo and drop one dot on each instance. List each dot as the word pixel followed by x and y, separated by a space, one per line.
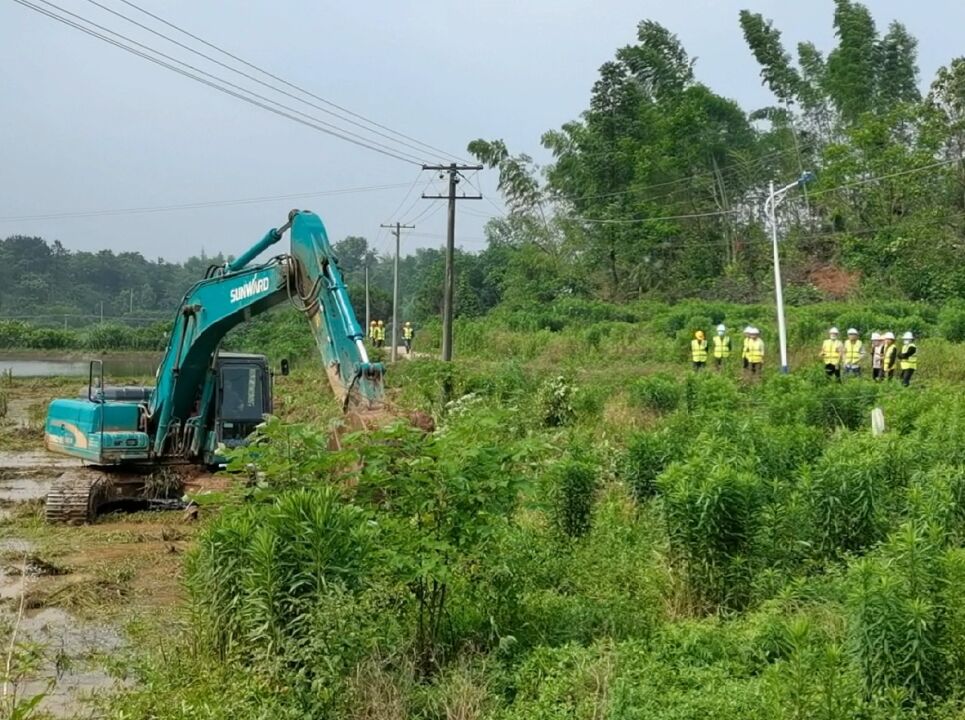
pixel 74 589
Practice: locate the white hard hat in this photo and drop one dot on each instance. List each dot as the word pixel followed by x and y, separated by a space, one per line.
pixel 748 329
pixel 755 331
pixel 908 336
pixel 852 331
pixel 833 331
pixel 875 336
pixel 721 327
pixel 889 336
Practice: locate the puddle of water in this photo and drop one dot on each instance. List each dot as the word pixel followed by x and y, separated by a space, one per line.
pixel 24 489
pixel 17 546
pixel 39 459
pixel 70 672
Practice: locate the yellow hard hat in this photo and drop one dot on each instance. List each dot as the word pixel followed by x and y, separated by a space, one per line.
pixel 699 334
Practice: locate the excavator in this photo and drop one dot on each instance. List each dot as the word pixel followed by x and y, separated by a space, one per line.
pixel 205 400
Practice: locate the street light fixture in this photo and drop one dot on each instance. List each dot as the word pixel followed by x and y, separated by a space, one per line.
pixel 771 207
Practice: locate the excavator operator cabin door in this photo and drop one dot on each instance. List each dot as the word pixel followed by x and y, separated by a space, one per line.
pixel 242 401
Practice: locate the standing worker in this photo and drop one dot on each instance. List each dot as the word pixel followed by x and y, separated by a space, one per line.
pixel 755 351
pixel 832 350
pixel 877 357
pixel 890 355
pixel 909 358
pixel 721 347
pixel 853 353
pixel 747 339
pixel 407 334
pixel 373 332
pixel 698 351
pixel 380 334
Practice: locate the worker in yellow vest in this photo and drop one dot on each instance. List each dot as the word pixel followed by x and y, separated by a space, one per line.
pixel 698 351
pixel 909 358
pixel 747 338
pixel 380 334
pixel 853 353
pixel 721 347
pixel 891 355
pixel 832 350
pixel 407 334
pixel 373 332
pixel 755 351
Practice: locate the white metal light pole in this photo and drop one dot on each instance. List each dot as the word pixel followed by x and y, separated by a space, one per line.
pixel 771 207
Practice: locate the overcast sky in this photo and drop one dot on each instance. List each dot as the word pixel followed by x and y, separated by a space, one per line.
pixel 85 126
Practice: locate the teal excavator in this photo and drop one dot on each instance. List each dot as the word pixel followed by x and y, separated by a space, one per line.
pixel 205 400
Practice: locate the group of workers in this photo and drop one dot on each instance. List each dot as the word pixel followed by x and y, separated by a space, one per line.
pixel 720 349
pixel 886 358
pixel 377 335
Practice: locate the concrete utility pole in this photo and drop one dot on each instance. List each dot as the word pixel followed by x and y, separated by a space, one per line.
pixel 771 207
pixel 368 312
pixel 397 231
pixel 448 296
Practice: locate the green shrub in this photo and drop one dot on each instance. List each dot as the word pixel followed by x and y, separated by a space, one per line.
pixel 660 393
pixel 951 321
pixel 54 339
pixel 13 333
pixel 647 455
pixel 555 402
pixel 573 487
pixel 897 619
pixel 853 490
pixel 710 513
pixel 711 392
pixel 846 404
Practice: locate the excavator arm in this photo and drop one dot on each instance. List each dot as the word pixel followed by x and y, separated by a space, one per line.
pixel 309 278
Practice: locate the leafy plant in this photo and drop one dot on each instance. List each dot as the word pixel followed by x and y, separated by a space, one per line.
pixel 574 484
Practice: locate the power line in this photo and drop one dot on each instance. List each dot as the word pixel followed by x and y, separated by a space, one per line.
pixel 268 104
pixel 196 205
pixel 429 211
pixel 889 176
pixel 251 77
pixel 283 81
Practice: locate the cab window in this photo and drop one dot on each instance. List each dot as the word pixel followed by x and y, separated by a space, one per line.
pixel 242 396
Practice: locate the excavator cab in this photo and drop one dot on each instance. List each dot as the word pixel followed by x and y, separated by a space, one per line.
pixel 243 396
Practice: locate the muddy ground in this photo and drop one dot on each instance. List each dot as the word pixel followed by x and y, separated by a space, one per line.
pixel 69 593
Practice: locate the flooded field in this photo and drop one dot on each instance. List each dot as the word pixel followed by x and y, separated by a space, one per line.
pixel 33 364
pixel 66 593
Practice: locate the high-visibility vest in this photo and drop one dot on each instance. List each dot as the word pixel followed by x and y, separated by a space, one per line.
pixel 755 351
pixel 698 350
pixel 380 333
pixel 852 352
pixel 912 362
pixel 373 331
pixel 831 352
pixel 406 333
pixel 891 357
pixel 721 347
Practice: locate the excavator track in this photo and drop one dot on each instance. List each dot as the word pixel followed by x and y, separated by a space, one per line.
pixel 75 496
